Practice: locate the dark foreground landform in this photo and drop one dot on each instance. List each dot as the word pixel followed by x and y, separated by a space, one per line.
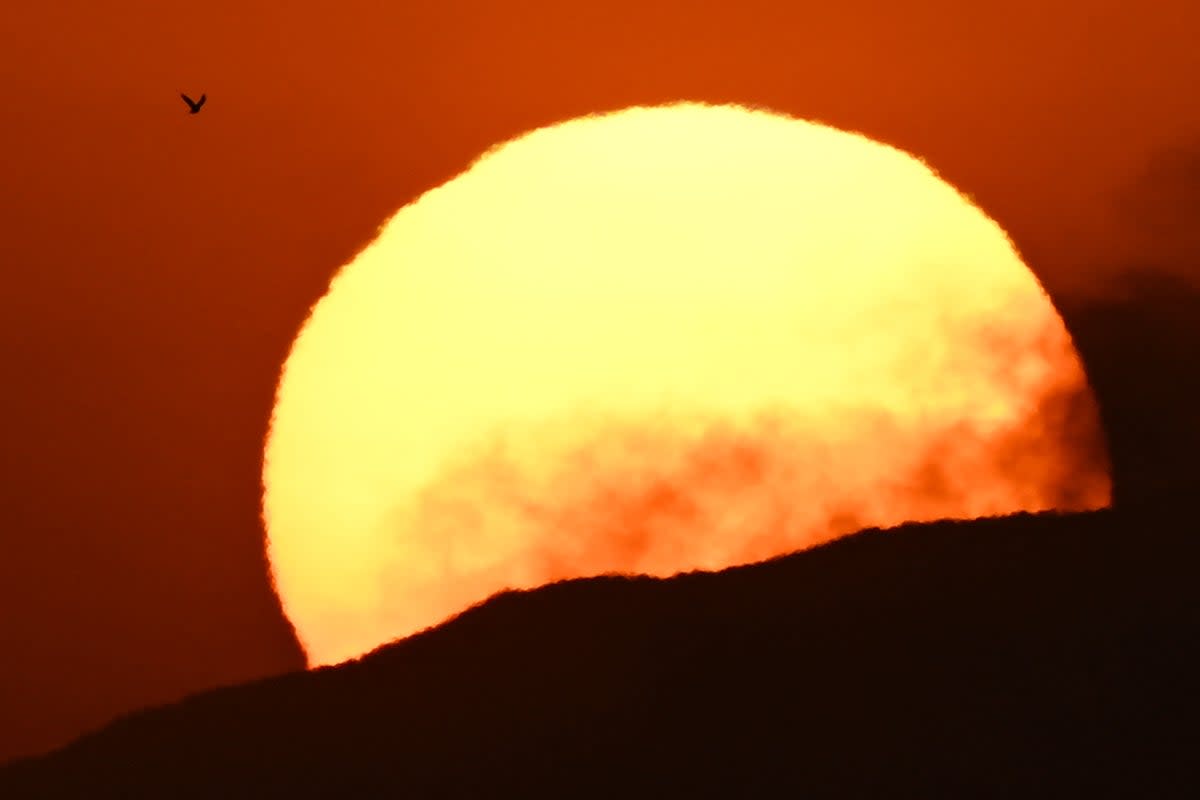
pixel 1026 656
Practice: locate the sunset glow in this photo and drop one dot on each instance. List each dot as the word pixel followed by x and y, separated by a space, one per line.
pixel 653 341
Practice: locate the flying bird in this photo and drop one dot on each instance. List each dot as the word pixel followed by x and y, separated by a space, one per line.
pixel 194 105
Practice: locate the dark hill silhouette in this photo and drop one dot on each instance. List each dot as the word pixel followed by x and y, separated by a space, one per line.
pixel 1034 655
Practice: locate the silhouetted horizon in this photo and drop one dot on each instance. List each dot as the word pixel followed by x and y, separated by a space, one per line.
pixel 1029 655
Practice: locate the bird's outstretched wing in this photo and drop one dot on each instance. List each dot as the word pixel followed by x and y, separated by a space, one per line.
pixel 201 101
pixel 191 103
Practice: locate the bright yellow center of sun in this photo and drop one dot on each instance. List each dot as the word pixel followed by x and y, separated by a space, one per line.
pixel 653 341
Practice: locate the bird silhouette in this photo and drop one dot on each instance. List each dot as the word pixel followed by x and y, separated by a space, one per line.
pixel 194 105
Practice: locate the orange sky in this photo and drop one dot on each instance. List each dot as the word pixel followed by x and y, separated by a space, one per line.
pixel 158 264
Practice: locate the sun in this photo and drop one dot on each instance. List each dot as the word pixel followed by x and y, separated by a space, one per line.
pixel 651 341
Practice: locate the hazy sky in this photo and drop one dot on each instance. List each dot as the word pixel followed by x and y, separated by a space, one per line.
pixel 157 264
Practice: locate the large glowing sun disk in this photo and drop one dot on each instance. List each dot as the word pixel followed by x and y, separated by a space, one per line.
pixel 651 341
